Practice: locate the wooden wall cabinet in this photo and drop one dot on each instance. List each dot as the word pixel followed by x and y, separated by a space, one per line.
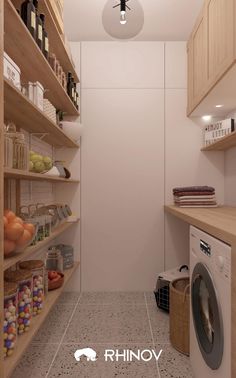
pixel 211 49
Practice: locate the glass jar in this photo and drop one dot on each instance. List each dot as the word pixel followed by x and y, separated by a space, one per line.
pixel 8 150
pixel 10 318
pixel 54 260
pixel 23 279
pixel 37 269
pixel 20 148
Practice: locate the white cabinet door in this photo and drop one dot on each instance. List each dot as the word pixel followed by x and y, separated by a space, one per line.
pixel 122 188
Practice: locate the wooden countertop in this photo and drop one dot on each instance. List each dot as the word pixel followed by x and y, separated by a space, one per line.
pixel 219 222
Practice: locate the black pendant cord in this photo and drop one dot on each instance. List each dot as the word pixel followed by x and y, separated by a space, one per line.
pixel 123 5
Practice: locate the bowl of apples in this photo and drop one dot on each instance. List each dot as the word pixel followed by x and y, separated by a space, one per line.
pixel 55 279
pixel 17 234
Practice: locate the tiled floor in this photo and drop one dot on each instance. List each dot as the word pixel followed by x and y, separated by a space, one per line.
pixel 117 321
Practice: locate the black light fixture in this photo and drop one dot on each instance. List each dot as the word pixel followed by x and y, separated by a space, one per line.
pixel 123 6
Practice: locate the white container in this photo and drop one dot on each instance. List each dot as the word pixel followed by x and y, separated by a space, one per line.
pixel 74 130
pixel 38 95
pixel 35 93
pixel 11 71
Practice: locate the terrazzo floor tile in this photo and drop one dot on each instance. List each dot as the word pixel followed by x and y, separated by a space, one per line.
pixel 65 364
pixel 36 361
pixel 109 323
pixel 159 324
pixel 150 297
pixel 69 297
pixel 173 364
pixel 104 298
pixel 55 324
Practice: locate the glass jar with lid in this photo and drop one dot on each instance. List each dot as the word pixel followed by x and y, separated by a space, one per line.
pixel 10 318
pixel 20 148
pixel 54 260
pixel 23 279
pixel 37 269
pixel 8 150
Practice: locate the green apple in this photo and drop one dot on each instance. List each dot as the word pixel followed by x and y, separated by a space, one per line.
pixel 36 158
pixel 39 166
pixel 31 166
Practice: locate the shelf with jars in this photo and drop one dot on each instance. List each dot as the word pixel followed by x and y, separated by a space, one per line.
pixel 25 339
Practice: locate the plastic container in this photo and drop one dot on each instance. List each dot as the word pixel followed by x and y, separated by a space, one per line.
pixel 23 279
pixel 179 314
pixel 10 318
pixel 37 269
pixel 11 71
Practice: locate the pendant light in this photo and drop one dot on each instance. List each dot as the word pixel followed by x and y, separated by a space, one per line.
pixel 123 7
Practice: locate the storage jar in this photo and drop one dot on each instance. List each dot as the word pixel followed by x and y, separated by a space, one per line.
pixel 10 318
pixel 37 269
pixel 67 252
pixel 23 279
pixel 54 260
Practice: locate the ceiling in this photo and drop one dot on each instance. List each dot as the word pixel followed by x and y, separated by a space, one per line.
pixel 164 20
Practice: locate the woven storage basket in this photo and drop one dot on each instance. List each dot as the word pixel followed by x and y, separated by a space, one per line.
pixel 179 315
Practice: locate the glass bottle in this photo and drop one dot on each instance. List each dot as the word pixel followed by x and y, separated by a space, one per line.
pixel 69 84
pixel 28 15
pixel 39 26
pixel 45 38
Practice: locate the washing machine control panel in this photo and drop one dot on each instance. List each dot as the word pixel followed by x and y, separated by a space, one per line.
pixel 205 247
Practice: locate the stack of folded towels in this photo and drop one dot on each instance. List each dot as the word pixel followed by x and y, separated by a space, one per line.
pixel 195 196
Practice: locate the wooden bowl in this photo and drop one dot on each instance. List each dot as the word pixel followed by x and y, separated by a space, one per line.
pixel 57 284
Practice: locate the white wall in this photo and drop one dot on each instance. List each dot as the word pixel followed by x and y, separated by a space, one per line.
pixel 185 164
pixel 131 162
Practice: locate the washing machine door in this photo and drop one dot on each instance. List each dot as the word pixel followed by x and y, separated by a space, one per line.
pixel 207 316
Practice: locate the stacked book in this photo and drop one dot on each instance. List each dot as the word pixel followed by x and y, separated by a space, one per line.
pixel 195 196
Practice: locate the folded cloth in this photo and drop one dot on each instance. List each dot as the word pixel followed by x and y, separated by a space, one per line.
pixel 182 194
pixel 194 189
pixel 202 198
pixel 202 206
pixel 195 203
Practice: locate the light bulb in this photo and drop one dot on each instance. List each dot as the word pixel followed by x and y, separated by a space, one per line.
pixel 123 18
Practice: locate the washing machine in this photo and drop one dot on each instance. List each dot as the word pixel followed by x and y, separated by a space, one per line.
pixel 210 310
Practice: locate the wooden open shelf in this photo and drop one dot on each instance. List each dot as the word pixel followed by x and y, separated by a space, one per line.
pixel 25 339
pixel 15 258
pixel 19 109
pixel 57 45
pixel 22 48
pixel 223 144
pixel 17 174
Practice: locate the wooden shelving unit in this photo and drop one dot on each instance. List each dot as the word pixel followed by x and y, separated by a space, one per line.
pixel 223 144
pixel 30 176
pixel 57 45
pixel 21 47
pixel 30 251
pixel 11 362
pixel 31 118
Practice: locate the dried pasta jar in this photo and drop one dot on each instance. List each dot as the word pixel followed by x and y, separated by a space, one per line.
pixel 23 279
pixel 10 318
pixel 37 269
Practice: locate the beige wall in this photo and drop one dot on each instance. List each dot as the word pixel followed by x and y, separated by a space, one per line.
pixel 137 145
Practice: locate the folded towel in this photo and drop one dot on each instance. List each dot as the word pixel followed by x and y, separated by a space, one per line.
pixel 182 194
pixel 195 198
pixel 194 189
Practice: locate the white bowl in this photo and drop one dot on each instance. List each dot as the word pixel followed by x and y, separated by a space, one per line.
pixel 74 130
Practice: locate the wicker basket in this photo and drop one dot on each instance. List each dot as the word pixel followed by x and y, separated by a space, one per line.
pixel 179 315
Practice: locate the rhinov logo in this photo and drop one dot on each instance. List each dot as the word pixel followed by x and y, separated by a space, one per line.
pixel 126 355
pixel 87 352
